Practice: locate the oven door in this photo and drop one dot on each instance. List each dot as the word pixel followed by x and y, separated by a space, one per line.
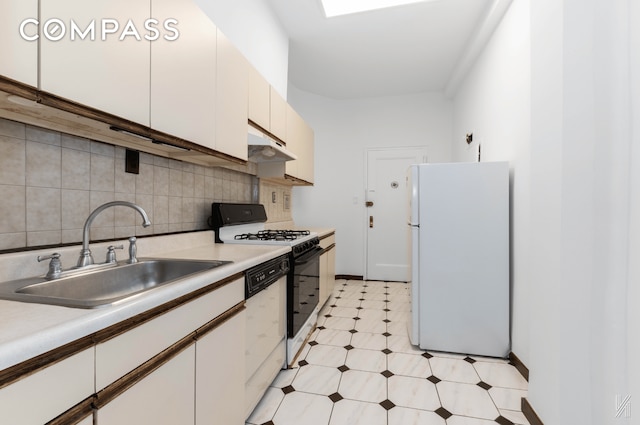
pixel 303 288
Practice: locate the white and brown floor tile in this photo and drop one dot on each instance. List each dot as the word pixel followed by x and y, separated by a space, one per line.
pixel 359 368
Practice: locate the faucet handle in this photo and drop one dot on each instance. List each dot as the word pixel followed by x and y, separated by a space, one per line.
pixel 111 253
pixel 133 250
pixel 55 266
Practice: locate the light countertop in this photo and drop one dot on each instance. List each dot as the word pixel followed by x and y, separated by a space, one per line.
pixel 28 329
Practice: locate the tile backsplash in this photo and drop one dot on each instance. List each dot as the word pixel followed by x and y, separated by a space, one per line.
pixel 51 181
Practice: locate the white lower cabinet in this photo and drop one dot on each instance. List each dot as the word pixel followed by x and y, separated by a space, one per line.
pixel 165 397
pixel 36 399
pixel 220 374
pixel 327 269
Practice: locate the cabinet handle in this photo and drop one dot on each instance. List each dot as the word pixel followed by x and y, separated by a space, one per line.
pixel 371 221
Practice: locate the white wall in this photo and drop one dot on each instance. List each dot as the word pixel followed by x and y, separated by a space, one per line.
pixel 581 163
pixel 493 103
pixel 344 129
pixel 254 29
pixel 576 201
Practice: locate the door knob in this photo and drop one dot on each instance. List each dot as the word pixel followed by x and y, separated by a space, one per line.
pixel 371 221
pixel 368 204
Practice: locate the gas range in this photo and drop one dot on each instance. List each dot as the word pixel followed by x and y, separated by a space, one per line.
pixel 245 224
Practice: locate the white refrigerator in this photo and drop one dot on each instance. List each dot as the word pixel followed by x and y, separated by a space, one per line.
pixel 459 224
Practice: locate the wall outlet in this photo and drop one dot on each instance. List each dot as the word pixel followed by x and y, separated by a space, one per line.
pixel 273 197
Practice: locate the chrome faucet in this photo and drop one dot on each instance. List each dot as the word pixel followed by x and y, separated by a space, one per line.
pixel 85 255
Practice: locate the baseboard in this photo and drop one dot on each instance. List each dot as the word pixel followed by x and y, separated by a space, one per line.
pixel 524 371
pixel 348 277
pixel 529 413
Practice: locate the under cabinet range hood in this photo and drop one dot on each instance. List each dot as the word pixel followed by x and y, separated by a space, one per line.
pixel 263 148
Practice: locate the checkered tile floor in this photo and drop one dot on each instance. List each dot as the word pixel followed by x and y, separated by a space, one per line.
pixel 359 368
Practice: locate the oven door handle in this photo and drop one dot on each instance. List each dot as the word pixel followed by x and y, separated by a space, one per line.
pixel 308 256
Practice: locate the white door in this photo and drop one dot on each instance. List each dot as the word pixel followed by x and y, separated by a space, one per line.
pixel 387 244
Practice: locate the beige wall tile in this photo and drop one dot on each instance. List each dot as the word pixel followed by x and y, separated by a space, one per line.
pixel 13 240
pixel 75 208
pixel 144 180
pixel 43 209
pixel 161 228
pixel 12 129
pixel 12 161
pixel 43 165
pixel 198 186
pixel 103 149
pixel 161 209
pixel 188 210
pixel 76 166
pixel 41 135
pixel 187 184
pixel 160 181
pixel 71 236
pixel 124 182
pixel 13 209
pixel 146 158
pixel 75 143
pixel 175 182
pixel 52 237
pixel 102 173
pixel 160 161
pixel 175 209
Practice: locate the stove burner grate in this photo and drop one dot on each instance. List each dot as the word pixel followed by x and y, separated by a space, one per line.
pixel 273 235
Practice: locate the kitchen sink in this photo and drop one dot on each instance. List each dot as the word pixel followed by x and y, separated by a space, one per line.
pixel 105 286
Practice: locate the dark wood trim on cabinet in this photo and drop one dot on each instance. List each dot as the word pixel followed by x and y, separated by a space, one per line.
pixel 327 249
pixel 524 371
pixel 22 370
pixel 328 235
pixel 529 413
pixel 62 104
pixel 118 387
pixel 297 181
pixel 348 277
pixel 76 414
pixel 267 132
pixel 17 88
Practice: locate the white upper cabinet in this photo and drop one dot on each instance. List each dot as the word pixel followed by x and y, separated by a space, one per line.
pixel 259 99
pixel 232 96
pixel 299 141
pixel 278 120
pixel 183 74
pixel 19 55
pixel 102 58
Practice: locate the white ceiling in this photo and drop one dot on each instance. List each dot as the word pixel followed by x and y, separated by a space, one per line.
pixel 400 50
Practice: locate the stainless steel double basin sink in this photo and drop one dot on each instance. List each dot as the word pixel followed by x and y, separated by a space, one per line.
pixel 104 286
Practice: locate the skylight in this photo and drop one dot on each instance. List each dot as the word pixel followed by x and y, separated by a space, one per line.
pixel 346 7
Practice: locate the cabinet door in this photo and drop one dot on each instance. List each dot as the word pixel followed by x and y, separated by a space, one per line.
pixel 183 74
pixel 306 166
pixel 292 140
pixel 324 279
pixel 165 397
pixel 259 99
pixel 232 87
pixel 20 56
pixel 278 121
pixel 100 71
pixel 220 374
pixel 37 398
pixel 120 355
pixel 331 270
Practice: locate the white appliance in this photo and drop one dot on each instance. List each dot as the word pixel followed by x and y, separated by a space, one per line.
pixel 459 224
